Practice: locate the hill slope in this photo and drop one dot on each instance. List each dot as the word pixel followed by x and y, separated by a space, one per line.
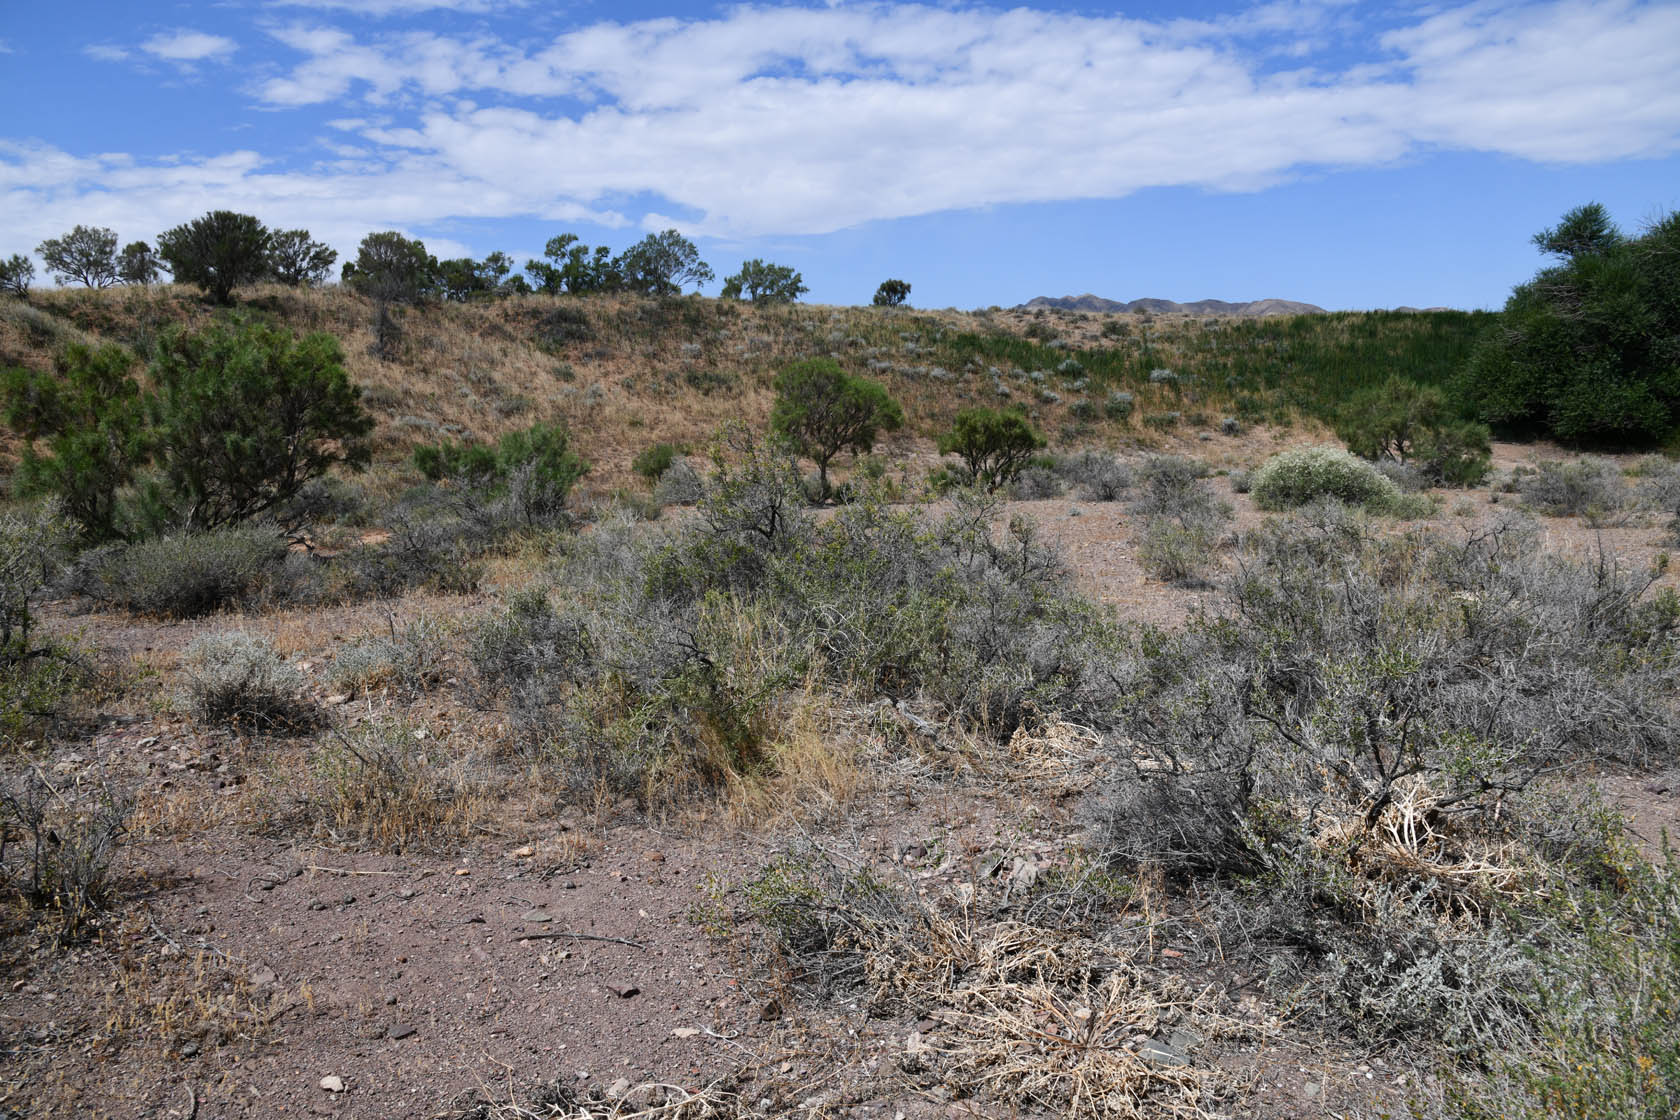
pixel 1088 302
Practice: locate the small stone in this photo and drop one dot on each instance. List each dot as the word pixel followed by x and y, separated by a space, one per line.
pixel 525 852
pixel 333 1084
pixel 654 856
pixel 189 1050
pixel 1159 1053
pixel 407 892
pixel 1310 1089
pixel 402 1030
pixel 571 886
pixel 686 1032
pixel 770 1012
pixel 349 900
pixel 265 884
pixel 317 905
pixel 624 991
pixel 618 1088
pixel 538 916
pixel 338 698
pixel 262 976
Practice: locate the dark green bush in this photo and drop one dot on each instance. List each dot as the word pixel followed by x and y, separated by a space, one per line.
pixel 1586 351
pixel 994 444
pixel 1410 424
pixel 526 473
pixel 654 461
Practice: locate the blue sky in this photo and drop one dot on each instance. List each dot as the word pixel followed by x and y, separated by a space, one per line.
pixel 1343 153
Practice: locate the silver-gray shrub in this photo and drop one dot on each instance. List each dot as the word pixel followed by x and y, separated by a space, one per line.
pixel 1588 487
pixel 237 679
pixel 1096 476
pixel 1350 675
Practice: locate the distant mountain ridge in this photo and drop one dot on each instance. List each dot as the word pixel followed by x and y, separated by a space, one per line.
pixel 1089 302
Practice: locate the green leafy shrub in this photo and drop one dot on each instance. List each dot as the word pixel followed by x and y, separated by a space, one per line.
pixel 994 444
pixel 245 415
pixel 822 410
pixel 1410 424
pixel 90 414
pixel 1585 351
pixel 529 471
pixel 1302 475
pixel 654 461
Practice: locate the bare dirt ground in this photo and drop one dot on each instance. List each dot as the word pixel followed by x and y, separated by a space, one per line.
pixel 256 969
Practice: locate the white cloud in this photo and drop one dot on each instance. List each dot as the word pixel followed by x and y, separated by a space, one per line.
pixel 188 46
pixel 806 120
pixel 105 52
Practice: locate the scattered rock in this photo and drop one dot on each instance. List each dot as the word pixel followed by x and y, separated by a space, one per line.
pixel 538 916
pixel 189 1049
pixel 624 991
pixel 770 1012
pixel 686 1032
pixel 525 852
pixel 333 1084
pixel 1159 1053
pixel 618 1088
pixel 262 976
pixel 401 1030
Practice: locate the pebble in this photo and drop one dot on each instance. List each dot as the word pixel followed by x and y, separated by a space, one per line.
pixel 333 1084
pixel 402 1030
pixel 538 916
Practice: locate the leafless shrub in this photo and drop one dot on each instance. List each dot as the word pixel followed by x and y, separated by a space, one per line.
pixel 1591 488
pixel 1096 475
pixel 69 845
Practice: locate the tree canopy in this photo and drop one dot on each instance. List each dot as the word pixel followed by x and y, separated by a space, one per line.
pixel 761 282
pixel 1588 352
pixel 298 260
pixel 218 252
pixel 995 444
pixel 891 293
pixel 86 255
pixel 822 410
pixel 662 264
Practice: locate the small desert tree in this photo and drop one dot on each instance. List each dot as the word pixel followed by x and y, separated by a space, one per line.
pixel 217 252
pixel 764 283
pixel 86 255
pixel 16 274
pixel 298 260
pixel 662 264
pixel 823 410
pixel 244 415
pixel 137 264
pixel 891 293
pixel 390 268
pixel 994 444
pixel 1411 423
pixel 84 429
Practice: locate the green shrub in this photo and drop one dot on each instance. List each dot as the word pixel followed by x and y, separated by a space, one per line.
pixel 1302 475
pixel 654 461
pixel 1118 405
pixel 995 444
pixel 1585 351
pixel 1410 424
pixel 822 410
pixel 528 473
